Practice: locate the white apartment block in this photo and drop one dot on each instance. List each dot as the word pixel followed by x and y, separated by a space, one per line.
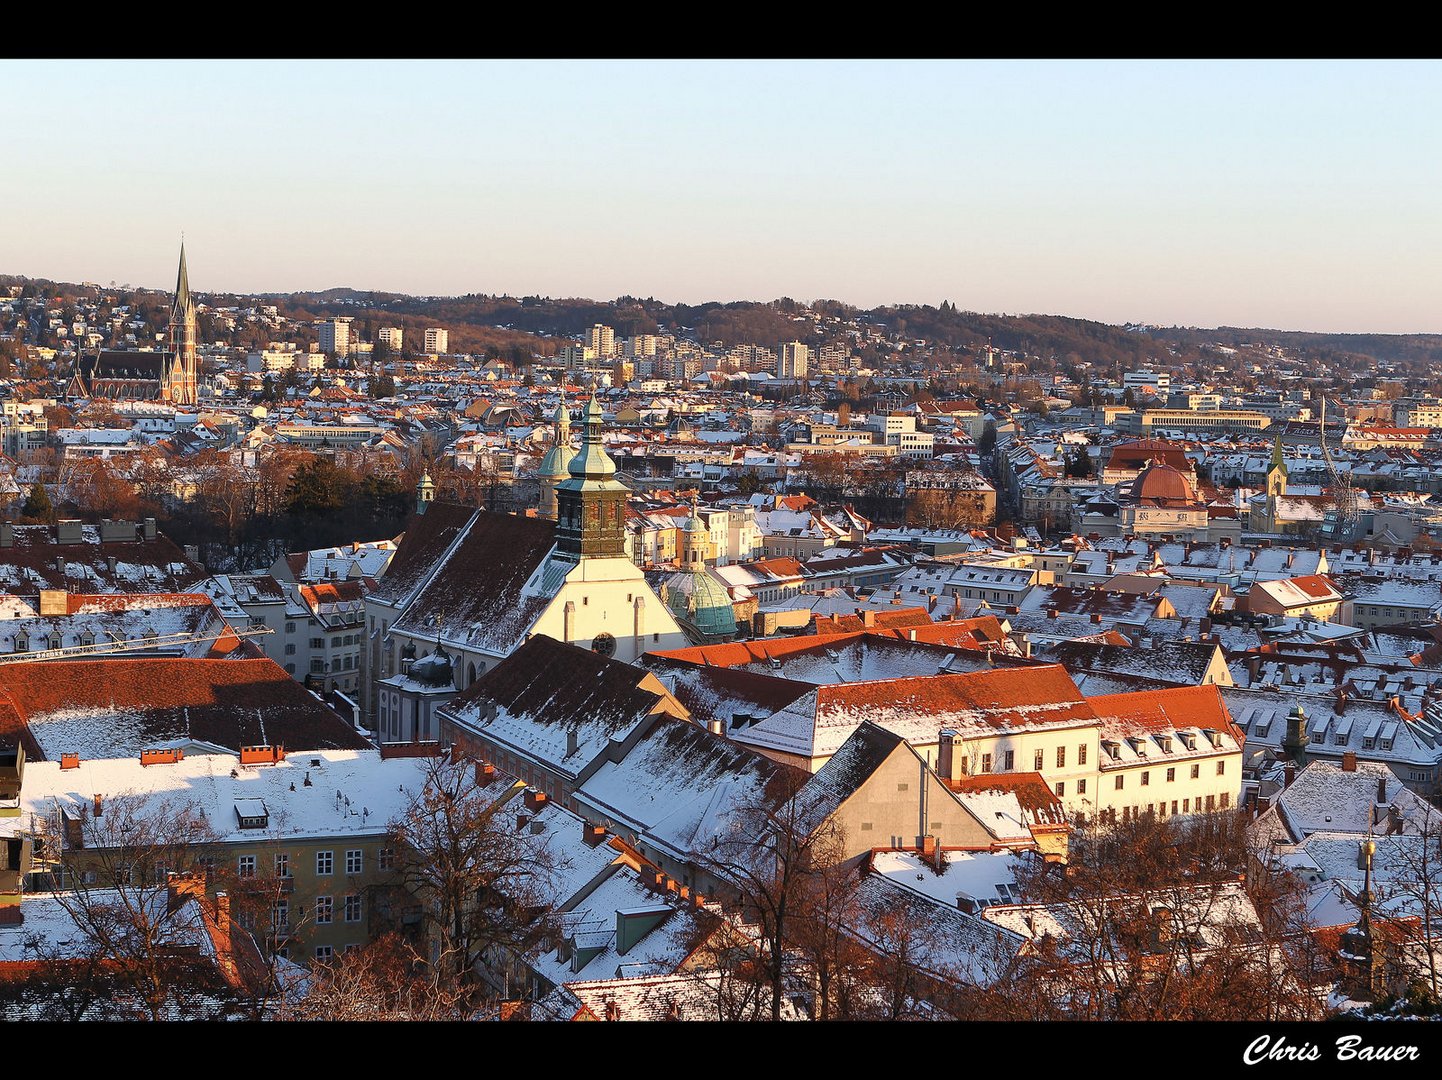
pixel 1426 414
pixel 438 340
pixel 602 339
pixel 792 360
pixel 1158 381
pixel 642 345
pixel 336 336
pixel 391 336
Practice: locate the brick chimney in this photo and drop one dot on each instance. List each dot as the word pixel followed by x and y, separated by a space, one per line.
pixel 1349 761
pixel 535 800
pixel 69 761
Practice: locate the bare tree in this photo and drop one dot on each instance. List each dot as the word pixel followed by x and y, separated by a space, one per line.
pixel 484 883
pixel 1149 920
pixel 387 979
pixel 112 870
pixel 772 861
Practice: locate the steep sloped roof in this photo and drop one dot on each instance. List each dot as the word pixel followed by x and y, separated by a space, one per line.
pixel 115 708
pixel 426 539
pixel 477 595
pixel 685 788
pixel 547 691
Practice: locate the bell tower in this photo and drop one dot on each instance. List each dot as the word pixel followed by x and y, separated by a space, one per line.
pixel 1277 473
pixel 591 502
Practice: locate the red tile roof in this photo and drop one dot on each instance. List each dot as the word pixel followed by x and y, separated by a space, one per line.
pixel 881 620
pixel 739 653
pixel 1031 790
pixel 231 703
pixel 1146 711
pixel 1001 698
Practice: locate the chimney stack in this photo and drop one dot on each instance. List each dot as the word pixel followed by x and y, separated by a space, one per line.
pixel 1349 761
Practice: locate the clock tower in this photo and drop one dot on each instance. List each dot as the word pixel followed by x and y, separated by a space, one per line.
pixel 591 502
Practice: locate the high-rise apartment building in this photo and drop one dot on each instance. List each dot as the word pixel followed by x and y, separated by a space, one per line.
pixel 391 336
pixel 792 360
pixel 603 340
pixel 336 336
pixel 642 345
pixel 437 340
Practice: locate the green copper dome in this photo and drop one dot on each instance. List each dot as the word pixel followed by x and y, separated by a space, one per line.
pixel 702 601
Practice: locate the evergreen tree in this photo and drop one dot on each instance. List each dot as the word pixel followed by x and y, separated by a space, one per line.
pixel 37 505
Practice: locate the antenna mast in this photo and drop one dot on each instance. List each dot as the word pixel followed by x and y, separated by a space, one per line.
pixel 1345 519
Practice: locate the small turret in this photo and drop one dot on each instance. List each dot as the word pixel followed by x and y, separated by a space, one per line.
pixel 425 493
pixel 1295 741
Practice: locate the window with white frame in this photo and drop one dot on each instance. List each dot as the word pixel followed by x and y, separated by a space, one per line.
pixel 245 866
pixel 354 860
pixel 324 863
pixel 324 910
pixel 353 908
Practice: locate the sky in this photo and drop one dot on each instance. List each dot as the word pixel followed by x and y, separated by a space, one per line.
pixel 1288 195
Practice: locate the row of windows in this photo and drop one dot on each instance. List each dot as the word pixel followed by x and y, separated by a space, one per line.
pixel 324 862
pixel 1213 803
pixel 351 911
pixel 1171 774
pixel 45 641
pixel 1373 609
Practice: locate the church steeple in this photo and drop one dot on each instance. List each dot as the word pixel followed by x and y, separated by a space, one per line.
pixel 694 557
pixel 591 502
pixel 555 465
pixel 182 284
pixel 1276 479
pixel 179 380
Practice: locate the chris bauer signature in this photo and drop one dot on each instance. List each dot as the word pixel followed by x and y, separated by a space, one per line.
pixel 1347 1048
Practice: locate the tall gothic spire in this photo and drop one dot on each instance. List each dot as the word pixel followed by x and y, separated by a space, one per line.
pixel 179 380
pixel 182 285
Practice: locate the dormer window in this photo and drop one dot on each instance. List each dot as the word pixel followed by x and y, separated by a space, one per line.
pixel 251 813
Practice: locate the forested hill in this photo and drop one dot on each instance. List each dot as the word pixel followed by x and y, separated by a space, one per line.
pixel 535 324
pixel 822 321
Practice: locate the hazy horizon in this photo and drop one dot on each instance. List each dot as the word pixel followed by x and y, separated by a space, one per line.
pixel 1288 195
